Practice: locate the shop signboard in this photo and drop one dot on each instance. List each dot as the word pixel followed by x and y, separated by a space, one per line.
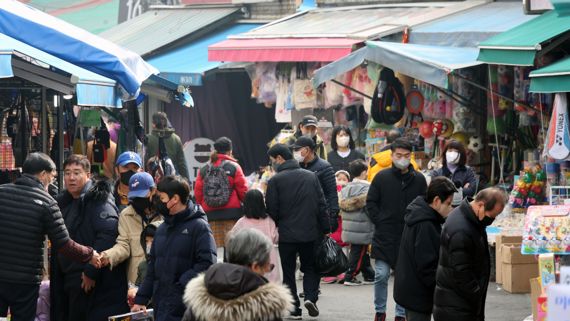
pixel 197 153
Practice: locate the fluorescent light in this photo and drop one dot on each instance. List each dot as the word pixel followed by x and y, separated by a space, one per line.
pixel 67 97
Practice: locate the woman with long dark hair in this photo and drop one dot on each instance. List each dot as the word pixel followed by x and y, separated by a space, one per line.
pixel 343 147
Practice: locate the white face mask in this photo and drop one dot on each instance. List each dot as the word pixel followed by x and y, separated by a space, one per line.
pixel 452 157
pixel 298 157
pixel 342 141
pixel 401 163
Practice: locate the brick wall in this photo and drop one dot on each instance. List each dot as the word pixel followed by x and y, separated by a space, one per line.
pixel 272 10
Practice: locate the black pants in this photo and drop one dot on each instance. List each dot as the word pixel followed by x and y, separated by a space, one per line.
pixel 22 299
pixel 306 251
pixel 359 260
pixel 75 304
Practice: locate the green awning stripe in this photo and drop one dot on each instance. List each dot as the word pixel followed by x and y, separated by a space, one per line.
pixel 552 84
pixel 507 57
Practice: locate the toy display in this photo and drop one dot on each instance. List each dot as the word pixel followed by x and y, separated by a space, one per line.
pixel 547 230
pixel 530 188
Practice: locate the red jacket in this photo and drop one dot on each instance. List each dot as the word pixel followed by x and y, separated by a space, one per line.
pixel 232 210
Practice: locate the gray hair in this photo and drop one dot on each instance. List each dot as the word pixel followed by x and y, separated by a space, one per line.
pixel 248 246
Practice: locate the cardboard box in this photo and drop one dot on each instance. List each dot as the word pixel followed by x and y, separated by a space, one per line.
pixel 499 241
pixel 512 255
pixel 535 292
pixel 516 277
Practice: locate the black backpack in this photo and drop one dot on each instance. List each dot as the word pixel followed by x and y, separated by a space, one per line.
pixel 389 108
pixel 217 189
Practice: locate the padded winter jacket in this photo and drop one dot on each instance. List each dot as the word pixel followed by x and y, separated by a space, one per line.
pixel 383 160
pixel 183 247
pixel 356 225
pixel 296 203
pixel 238 184
pixel 461 176
pixel 173 146
pixel 414 281
pixel 464 267
pixel 325 173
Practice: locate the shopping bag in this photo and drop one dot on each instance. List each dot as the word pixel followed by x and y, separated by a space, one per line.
pixel 329 258
pixel 305 96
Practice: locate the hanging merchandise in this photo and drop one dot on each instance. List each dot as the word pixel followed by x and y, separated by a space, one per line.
pixel 547 230
pixel 368 85
pixel 283 93
pixel 388 100
pixel 415 105
pixel 558 139
pixel 461 137
pixel 332 94
pixel 475 144
pixel 305 96
pixel 267 83
pixel 20 133
pixel 505 86
pixel 426 129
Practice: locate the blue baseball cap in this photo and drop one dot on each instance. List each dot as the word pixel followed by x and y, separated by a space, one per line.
pixel 128 158
pixel 140 184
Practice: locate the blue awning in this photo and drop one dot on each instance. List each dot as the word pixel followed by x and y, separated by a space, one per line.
pixel 187 64
pixel 91 89
pixel 430 64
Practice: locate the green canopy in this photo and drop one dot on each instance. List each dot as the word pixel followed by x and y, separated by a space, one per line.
pixel 554 78
pixel 518 46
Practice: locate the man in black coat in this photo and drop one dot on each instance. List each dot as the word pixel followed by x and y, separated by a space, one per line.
pixel 304 153
pixel 391 191
pixel 80 291
pixel 183 247
pixel 28 213
pixel 419 249
pixel 464 263
pixel 296 203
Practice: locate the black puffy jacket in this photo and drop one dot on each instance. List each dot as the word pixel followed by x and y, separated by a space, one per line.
pixel 389 195
pixel 232 292
pixel 417 260
pixel 91 220
pixel 325 173
pixel 296 203
pixel 463 175
pixel 464 267
pixel 183 247
pixel 27 213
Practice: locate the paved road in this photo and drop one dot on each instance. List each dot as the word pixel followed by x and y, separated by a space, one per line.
pixel 344 303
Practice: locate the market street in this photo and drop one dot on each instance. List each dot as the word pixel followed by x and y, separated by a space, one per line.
pixel 355 303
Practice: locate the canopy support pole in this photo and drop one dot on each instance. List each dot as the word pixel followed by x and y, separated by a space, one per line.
pixel 350 88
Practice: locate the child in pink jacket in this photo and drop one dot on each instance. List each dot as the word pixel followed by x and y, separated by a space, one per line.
pixel 256 217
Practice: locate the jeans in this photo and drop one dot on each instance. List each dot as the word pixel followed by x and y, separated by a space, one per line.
pixel 381 289
pixel 22 299
pixel 306 251
pixel 417 316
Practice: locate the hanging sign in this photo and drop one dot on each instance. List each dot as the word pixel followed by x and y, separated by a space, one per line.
pixel 197 153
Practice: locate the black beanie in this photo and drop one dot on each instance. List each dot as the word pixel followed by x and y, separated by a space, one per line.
pixel 223 145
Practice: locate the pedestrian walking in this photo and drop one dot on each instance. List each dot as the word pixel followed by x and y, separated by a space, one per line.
pixel 390 193
pixel 296 203
pixel 163 134
pixel 308 127
pixel 81 291
pixel 28 213
pixel 383 159
pixel 414 277
pixel 256 217
pixel 183 247
pixel 127 165
pixel 220 190
pixel 464 263
pixel 357 229
pixel 237 290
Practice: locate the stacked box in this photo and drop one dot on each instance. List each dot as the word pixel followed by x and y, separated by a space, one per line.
pixel 499 241
pixel 517 269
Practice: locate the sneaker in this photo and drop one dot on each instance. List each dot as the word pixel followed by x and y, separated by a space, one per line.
pixel 329 279
pixel 380 317
pixel 295 315
pixel 352 282
pixel 312 308
pixel 399 319
pixel 368 281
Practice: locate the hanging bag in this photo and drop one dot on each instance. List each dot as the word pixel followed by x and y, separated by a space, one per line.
pixel 388 101
pixel 305 96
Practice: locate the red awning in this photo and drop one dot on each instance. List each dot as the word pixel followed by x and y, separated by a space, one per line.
pixel 281 49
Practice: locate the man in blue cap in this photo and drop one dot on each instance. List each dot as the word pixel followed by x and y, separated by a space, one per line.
pixel 126 166
pixel 132 221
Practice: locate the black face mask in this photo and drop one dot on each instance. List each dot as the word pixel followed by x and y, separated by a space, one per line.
pixel 160 206
pixel 126 176
pixel 486 221
pixel 140 204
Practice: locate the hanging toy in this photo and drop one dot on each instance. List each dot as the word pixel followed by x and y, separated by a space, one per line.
pixel 447 128
pixel 426 129
pixel 475 144
pixel 461 137
pixel 437 127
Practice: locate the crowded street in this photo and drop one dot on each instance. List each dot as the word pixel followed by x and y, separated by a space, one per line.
pixel 270 160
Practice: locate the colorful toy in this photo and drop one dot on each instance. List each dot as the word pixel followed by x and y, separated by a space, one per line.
pixel 461 137
pixel 475 144
pixel 546 230
pixel 529 189
pixel 426 129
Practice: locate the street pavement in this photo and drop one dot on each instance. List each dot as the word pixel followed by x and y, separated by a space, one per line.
pixel 356 303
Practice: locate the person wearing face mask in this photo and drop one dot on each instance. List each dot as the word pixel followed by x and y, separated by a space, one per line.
pixel 28 213
pixel 390 193
pixel 343 151
pixel 80 291
pixel 126 166
pixel 464 264
pixel 308 127
pixel 295 201
pixel 414 280
pixel 183 247
pixel 454 167
pixel 132 221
